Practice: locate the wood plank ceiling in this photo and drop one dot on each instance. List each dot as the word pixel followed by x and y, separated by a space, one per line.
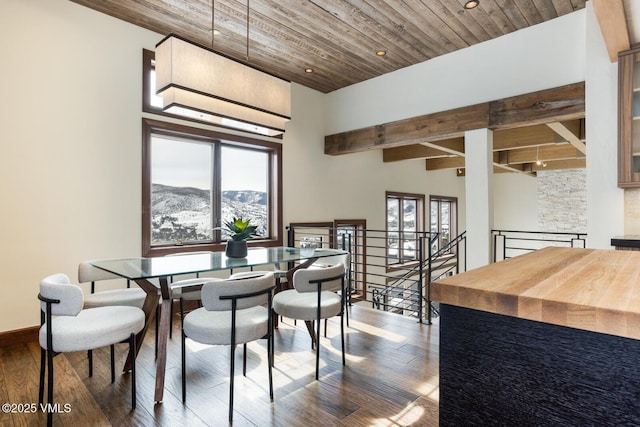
pixel 339 39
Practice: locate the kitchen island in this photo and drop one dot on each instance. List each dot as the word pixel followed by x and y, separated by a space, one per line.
pixel 547 338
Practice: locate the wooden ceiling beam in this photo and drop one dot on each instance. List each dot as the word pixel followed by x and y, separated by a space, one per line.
pixel 532 136
pixel 524 137
pixel 505 139
pixel 571 135
pixel 444 163
pixel 408 152
pixel 451 146
pixel 417 151
pixel 613 25
pixel 558 104
pixel 545 154
pixel 536 108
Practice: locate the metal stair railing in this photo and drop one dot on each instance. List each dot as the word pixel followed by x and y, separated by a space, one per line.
pixel 441 261
pixel 391 270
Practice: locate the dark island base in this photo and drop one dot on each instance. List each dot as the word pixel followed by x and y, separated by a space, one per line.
pixel 506 371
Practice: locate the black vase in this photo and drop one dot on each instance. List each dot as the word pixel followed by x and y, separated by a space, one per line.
pixel 236 249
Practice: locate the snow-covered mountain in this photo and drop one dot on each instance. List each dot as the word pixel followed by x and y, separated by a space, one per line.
pixel 184 213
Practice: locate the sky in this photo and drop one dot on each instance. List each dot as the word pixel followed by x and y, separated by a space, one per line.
pixel 188 164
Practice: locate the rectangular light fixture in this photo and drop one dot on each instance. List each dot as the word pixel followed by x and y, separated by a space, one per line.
pixel 196 81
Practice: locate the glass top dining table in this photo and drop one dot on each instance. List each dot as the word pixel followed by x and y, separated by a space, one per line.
pixel 142 270
pixel 146 268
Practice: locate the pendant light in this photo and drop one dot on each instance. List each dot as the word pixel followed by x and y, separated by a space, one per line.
pixel 195 80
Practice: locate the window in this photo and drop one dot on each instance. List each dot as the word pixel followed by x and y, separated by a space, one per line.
pixel 443 220
pixel 194 180
pixel 405 222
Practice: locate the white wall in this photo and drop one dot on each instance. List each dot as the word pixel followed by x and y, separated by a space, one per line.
pixel 514 202
pixel 71 145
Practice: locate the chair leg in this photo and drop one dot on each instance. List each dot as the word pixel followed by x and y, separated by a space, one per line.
pixel 90 357
pixel 231 375
pixel 157 324
pixel 325 327
pixel 318 349
pixel 50 387
pixel 342 338
pixel 42 369
pixel 244 359
pixel 132 351
pixel 171 321
pixel 113 363
pixel 272 328
pixel 346 308
pixel 270 354
pixel 183 337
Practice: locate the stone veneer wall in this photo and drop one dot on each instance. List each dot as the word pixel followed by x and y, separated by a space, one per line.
pixel 562 200
pixel 632 211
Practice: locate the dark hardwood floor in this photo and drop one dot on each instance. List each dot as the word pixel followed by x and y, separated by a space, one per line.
pixel 391 379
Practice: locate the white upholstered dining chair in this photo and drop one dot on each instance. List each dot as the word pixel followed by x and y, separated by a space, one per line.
pixel 314 297
pixel 330 261
pixel 133 297
pixel 66 327
pixel 185 289
pixel 235 311
pixel 87 273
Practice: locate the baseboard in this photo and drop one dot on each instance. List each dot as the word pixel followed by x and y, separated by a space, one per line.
pixel 19 336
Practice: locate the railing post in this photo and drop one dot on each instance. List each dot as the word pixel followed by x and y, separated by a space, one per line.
pixel 428 281
pixel 290 237
pixel 420 280
pixel 504 246
pixel 495 246
pixel 345 245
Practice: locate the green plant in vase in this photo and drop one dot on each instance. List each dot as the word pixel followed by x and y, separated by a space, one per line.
pixel 239 231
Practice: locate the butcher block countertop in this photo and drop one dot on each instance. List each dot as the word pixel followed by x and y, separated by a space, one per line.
pixel 591 289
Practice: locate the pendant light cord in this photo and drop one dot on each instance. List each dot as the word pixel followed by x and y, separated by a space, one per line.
pixel 247 30
pixel 213 22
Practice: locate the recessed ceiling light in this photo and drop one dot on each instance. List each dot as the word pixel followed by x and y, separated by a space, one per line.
pixel 381 52
pixel 215 32
pixel 471 4
pixel 308 70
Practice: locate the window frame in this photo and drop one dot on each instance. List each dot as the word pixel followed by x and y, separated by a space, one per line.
pixel 453 218
pixel 420 224
pixel 155 127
